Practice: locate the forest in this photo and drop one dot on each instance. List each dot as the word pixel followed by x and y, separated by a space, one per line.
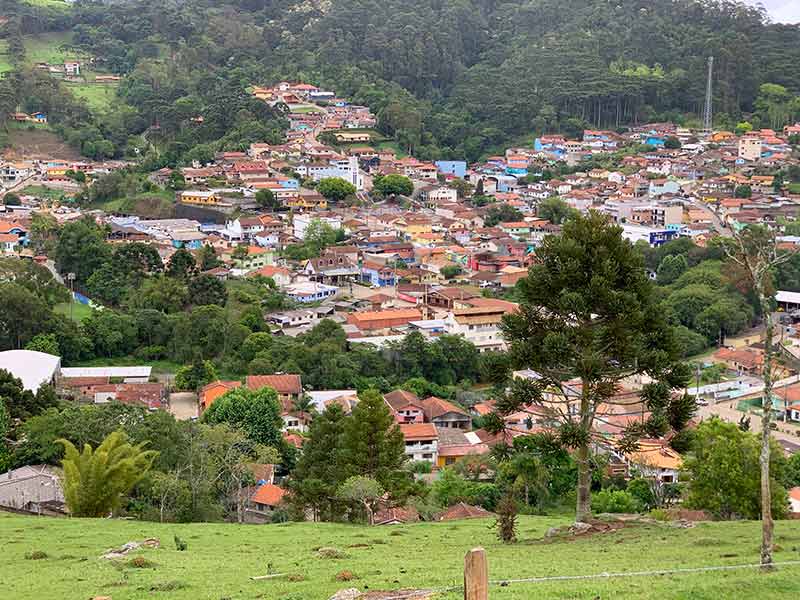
pixel 446 79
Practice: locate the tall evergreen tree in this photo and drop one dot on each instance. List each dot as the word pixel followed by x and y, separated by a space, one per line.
pixel 320 470
pixel 373 444
pixel 589 314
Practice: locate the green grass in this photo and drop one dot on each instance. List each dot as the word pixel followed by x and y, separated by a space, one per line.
pixel 307 109
pixel 5 65
pixel 794 188
pixel 221 558
pixel 79 311
pixel 49 3
pixel 48 47
pixel 41 191
pixel 159 366
pixel 98 96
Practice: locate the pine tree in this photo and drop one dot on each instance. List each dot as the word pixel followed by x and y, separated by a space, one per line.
pixel 373 445
pixel 320 469
pixel 589 313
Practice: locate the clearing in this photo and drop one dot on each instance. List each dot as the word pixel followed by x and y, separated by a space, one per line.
pixel 53 48
pixel 221 558
pixel 35 142
pixel 75 309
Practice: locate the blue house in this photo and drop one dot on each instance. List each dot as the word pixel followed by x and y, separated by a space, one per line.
pixel 452 167
pixel 377 274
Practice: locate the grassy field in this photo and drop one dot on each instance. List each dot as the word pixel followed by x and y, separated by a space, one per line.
pixel 221 558
pixel 48 47
pixel 4 64
pixel 79 311
pixel 98 96
pixel 159 366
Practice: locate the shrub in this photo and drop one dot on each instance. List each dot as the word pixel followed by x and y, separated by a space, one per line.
pixel 346 576
pixel 36 555
pixel 331 553
pixel 140 562
pixel 151 352
pixel 507 519
pixel 616 501
pixel 659 514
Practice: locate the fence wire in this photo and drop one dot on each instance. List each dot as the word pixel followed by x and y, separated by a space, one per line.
pixel 422 593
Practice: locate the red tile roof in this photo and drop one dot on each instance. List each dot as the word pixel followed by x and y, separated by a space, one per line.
pixel 436 407
pixel 464 511
pixel 283 384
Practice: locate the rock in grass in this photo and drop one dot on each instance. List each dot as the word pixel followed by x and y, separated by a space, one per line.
pixel 347 594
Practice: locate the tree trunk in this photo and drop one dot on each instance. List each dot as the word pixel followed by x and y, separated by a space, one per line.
pixel 767 524
pixel 584 507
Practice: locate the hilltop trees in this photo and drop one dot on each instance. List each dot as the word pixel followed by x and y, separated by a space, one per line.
pixel 589 313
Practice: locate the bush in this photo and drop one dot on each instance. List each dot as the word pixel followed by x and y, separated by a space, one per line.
pixel 36 555
pixel 151 352
pixel 331 553
pixel 659 514
pixel 616 501
pixel 640 489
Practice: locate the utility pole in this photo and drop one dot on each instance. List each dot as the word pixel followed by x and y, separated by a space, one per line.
pixel 707 109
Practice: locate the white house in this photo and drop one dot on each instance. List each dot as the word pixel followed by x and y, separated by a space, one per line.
pixel 301 223
pixel 481 326
pixel 310 291
pixel 422 441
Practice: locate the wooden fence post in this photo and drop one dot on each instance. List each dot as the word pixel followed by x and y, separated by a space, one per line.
pixel 476 575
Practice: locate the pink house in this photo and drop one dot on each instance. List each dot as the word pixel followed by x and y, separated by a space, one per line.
pixel 405 406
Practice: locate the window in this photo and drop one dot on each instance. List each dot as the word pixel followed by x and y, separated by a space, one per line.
pixel 427 456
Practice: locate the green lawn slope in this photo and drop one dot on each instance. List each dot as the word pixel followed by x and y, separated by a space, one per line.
pixel 221 558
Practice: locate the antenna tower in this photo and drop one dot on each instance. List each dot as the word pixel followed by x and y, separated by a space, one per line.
pixel 707 109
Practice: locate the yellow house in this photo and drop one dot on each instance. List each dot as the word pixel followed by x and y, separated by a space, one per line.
pixel 200 197
pixel 415 227
pixel 307 202
pixel 351 138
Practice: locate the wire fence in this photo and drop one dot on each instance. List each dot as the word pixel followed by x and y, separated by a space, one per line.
pixel 425 592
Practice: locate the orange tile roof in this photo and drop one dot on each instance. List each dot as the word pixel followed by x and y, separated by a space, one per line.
pixel 419 431
pixel 269 495
pixel 379 315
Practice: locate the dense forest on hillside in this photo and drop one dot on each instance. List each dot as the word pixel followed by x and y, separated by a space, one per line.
pixel 453 78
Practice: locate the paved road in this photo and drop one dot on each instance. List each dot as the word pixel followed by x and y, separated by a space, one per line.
pixel 18 186
pixel 719 226
pixel 789 432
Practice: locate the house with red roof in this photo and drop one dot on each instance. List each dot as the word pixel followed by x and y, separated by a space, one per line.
pixel 288 386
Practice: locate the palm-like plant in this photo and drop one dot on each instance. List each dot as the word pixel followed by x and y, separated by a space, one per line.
pixel 95 480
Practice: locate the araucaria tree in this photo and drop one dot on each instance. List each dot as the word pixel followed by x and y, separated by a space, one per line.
pixel 589 315
pixel 754 252
pixel 96 480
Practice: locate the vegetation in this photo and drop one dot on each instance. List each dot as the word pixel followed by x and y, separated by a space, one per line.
pixel 184 575
pixel 589 313
pixel 95 481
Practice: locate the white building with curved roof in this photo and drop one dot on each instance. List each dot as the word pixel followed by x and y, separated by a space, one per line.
pixel 31 367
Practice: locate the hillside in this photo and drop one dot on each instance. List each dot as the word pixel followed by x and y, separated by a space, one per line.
pixel 221 558
pixel 447 79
